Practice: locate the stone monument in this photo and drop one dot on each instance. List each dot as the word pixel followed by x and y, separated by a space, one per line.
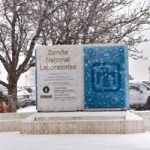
pixel 80 77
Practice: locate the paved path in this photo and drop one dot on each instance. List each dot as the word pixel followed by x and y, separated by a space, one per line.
pixel 16 141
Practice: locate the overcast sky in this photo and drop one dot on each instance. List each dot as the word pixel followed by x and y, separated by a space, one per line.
pixel 139 68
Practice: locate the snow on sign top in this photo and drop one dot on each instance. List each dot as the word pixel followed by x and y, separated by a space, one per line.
pixel 77 77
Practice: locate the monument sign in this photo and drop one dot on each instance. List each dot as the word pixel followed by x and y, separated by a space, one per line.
pixel 79 77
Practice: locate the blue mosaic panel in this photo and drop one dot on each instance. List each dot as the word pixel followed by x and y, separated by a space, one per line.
pixel 106 77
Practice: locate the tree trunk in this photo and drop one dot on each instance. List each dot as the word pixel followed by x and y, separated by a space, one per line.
pixel 12 100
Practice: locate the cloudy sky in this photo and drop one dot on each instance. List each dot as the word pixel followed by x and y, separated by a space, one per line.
pixel 139 68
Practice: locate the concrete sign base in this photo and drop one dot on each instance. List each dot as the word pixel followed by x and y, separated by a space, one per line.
pixel 118 122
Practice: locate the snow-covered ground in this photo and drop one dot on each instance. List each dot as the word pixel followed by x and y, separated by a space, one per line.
pixel 27 109
pixel 16 141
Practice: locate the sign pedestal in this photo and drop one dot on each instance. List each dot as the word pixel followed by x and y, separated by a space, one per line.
pixel 82 77
pixel 116 122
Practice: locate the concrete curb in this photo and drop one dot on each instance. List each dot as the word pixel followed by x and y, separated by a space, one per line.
pixel 146 116
pixel 10 122
pixel 119 122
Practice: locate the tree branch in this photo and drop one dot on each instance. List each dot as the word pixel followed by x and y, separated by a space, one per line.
pixel 4 83
pixel 13 36
pixel 32 45
pixel 6 16
pixel 5 48
pixel 5 63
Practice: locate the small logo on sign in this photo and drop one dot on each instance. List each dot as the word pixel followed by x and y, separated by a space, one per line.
pixel 46 89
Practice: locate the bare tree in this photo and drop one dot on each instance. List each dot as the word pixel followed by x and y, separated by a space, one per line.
pixel 99 21
pixel 24 23
pixel 20 28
